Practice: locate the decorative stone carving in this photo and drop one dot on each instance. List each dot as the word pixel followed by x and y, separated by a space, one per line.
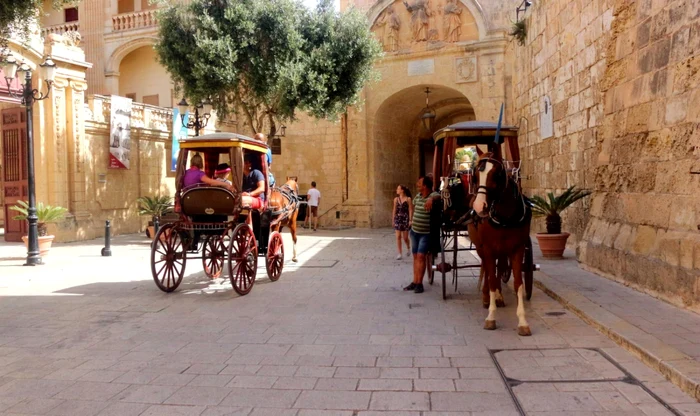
pixel 391 22
pixel 453 21
pixel 466 69
pixel 71 38
pixel 420 22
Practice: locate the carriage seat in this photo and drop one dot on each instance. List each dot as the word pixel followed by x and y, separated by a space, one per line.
pixel 208 202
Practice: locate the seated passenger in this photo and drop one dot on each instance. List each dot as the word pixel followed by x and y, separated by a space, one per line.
pixel 195 175
pixel 221 173
pixel 253 185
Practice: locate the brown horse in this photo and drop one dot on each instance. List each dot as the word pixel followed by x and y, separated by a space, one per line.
pixel 501 232
pixel 284 202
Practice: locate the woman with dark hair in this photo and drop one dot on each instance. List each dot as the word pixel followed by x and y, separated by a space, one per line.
pixel 401 217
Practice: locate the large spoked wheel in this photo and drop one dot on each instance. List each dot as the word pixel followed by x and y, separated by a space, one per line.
pixel 213 255
pixel 242 259
pixel 168 258
pixel 430 262
pixel 443 270
pixel 528 269
pixel 274 258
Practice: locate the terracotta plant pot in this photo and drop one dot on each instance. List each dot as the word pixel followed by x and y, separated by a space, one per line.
pixel 552 245
pixel 44 244
pixel 151 232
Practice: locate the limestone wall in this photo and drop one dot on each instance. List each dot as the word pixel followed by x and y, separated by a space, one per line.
pixel 624 82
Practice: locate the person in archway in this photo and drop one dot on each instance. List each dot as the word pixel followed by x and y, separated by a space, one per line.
pixel 420 230
pixel 401 216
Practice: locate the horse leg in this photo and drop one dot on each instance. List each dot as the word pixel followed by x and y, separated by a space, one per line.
pixel 484 284
pixel 517 264
pixel 501 268
pixel 490 265
pixel 293 231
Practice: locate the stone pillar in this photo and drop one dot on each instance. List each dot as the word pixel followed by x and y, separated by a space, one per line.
pixel 55 153
pixel 92 29
pixel 75 134
pixel 111 86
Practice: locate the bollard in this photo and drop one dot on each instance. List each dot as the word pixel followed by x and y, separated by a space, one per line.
pixel 107 251
pixel 156 226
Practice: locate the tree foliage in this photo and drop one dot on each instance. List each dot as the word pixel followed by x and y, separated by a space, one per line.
pixel 266 59
pixel 17 16
pixel 551 206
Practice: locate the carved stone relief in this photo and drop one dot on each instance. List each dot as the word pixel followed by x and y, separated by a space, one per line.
pixel 391 23
pixel 467 70
pixel 453 21
pixel 420 23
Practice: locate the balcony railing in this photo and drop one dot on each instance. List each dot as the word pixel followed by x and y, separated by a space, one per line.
pixel 60 29
pixel 134 20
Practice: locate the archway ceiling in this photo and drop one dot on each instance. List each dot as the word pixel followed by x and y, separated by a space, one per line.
pixel 410 102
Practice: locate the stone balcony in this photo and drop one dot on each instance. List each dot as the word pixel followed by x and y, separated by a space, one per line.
pixel 143 116
pixel 60 29
pixel 134 20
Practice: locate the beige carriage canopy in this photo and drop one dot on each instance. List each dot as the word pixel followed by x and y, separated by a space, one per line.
pixel 212 146
pixel 471 133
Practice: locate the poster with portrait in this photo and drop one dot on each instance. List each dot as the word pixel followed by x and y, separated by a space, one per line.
pixel 179 132
pixel 120 133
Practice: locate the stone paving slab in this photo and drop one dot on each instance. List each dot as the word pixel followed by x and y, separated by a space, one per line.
pixel 95 336
pixel 663 336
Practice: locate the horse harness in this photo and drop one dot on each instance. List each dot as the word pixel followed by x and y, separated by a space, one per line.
pixel 291 206
pixel 493 216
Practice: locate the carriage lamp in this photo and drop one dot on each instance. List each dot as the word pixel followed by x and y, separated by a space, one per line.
pixel 428 116
pixel 28 95
pixel 197 122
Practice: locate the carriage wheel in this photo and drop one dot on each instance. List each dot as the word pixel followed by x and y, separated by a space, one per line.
pixel 274 258
pixel 213 255
pixel 242 259
pixel 430 261
pixel 455 247
pixel 168 258
pixel 528 269
pixel 444 271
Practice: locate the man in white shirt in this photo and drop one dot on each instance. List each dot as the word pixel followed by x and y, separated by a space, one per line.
pixel 313 198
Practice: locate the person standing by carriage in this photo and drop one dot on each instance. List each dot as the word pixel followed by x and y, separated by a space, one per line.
pixel 270 176
pixel 420 232
pixel 401 216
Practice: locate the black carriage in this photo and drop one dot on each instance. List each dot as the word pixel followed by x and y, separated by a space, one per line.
pixel 448 172
pixel 213 225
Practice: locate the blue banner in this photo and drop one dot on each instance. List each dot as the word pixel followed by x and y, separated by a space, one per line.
pixel 179 132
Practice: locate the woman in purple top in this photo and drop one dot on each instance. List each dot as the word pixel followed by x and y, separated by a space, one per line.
pixel 196 175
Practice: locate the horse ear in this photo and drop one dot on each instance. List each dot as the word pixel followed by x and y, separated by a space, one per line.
pixel 479 152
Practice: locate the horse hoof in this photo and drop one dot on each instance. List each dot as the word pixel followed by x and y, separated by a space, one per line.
pixel 524 331
pixel 485 305
pixel 490 325
pixel 500 303
pixel 294 260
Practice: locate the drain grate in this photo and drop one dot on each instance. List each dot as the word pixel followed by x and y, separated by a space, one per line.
pixel 625 376
pixel 415 305
pixel 555 313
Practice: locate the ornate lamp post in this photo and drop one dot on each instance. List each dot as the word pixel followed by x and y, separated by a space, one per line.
pixel 428 114
pixel 29 95
pixel 198 122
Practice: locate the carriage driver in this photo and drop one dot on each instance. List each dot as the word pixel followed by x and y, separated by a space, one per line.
pixel 253 194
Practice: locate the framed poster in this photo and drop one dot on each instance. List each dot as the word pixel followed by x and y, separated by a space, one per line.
pixel 120 133
pixel 179 132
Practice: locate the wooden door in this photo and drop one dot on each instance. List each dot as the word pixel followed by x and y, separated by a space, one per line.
pixel 13 179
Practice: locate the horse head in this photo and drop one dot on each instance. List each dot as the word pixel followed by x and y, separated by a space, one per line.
pixel 490 178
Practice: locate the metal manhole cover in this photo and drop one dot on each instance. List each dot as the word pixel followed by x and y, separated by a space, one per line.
pixel 555 313
pixel 414 305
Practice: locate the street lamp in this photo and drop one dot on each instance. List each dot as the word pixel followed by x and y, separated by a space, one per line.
pixel 29 95
pixel 197 122
pixel 428 114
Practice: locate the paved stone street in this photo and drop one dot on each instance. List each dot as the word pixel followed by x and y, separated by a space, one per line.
pixel 86 335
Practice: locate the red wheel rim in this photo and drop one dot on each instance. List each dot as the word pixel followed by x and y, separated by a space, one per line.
pixel 243 259
pixel 274 260
pixel 213 255
pixel 168 259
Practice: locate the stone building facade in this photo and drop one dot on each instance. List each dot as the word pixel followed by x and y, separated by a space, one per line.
pixel 623 79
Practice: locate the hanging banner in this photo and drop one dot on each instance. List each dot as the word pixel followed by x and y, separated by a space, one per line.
pixel 120 133
pixel 179 132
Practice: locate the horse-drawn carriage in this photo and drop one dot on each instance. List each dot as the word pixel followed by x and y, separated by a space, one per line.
pixel 216 225
pixel 456 181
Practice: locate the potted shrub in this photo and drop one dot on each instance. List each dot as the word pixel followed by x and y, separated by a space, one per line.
pixel 553 242
pixel 46 215
pixel 156 207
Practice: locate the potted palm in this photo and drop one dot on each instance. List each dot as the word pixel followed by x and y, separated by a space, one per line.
pixel 553 242
pixel 46 214
pixel 155 207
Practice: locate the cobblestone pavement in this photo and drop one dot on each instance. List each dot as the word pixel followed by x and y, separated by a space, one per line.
pixel 336 335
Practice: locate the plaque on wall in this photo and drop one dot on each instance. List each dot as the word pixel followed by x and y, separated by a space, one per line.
pixel 466 69
pixel 546 118
pixel 421 67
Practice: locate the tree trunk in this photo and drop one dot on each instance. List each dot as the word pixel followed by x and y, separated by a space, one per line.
pixel 553 224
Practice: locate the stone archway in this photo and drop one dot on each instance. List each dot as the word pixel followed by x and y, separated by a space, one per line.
pixel 399 142
pixel 114 60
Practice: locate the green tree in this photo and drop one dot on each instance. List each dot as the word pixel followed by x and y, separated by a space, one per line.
pixel 263 60
pixel 17 16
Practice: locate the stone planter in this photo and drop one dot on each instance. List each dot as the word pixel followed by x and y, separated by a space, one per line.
pixel 44 244
pixel 552 245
